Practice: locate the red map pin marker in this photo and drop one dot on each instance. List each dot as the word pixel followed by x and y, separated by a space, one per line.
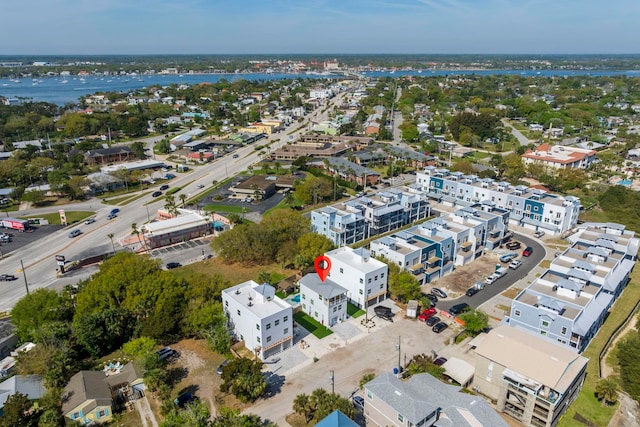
pixel 323 266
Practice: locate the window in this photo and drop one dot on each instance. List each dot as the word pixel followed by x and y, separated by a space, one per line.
pixel 516 313
pixel 238 311
pixel 103 413
pixel 381 285
pixel 286 331
pixel 75 415
pixel 285 318
pixel 257 326
pixel 304 306
pixel 543 332
pixel 362 281
pixel 564 330
pixel 369 394
pixel 381 275
pixel 320 297
pixel 400 417
pixel 312 302
pixel 360 290
pixel 545 324
pixel 277 322
pixel 369 281
pixel 269 338
pixel 315 314
pixel 335 309
pixel 226 303
pixel 340 307
pixel 369 292
pixel 375 278
pixel 258 339
pixel 341 270
pixel 304 296
pixel 268 325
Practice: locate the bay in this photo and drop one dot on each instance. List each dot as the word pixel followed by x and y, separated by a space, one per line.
pixel 61 90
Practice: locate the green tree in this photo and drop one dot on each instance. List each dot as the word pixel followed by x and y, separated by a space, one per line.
pixel 38 309
pixel 138 149
pixel 475 321
pixel 34 196
pixel 139 347
pixel 16 412
pixel 320 404
pixel 228 417
pixel 311 245
pixel 365 379
pixel 402 284
pixel 103 332
pixel 244 379
pixel 628 354
pixel 194 414
pixel 607 391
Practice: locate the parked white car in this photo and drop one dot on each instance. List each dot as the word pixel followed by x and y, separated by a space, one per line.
pixel 515 264
pixel 538 234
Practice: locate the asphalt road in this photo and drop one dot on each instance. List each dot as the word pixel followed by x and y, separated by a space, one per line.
pixel 39 256
pixel 489 291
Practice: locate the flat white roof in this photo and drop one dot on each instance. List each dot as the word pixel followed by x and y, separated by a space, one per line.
pixel 175 224
pixel 245 295
pixel 357 258
pixel 139 164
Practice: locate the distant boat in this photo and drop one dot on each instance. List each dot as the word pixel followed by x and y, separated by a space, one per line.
pixel 5 84
pixel 64 81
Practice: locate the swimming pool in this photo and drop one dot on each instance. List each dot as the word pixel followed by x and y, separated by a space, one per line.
pixel 625 182
pixel 296 298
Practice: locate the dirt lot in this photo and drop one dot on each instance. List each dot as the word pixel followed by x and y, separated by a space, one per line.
pixel 458 281
pixel 194 371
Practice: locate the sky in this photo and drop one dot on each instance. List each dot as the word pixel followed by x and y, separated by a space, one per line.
pixel 72 27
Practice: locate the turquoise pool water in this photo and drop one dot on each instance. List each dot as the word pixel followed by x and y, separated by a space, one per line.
pixel 625 182
pixel 296 298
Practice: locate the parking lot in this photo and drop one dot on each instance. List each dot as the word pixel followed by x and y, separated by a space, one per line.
pixel 20 239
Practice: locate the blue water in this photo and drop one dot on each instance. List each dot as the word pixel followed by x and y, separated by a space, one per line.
pixel 51 89
pixel 625 182
pixel 296 298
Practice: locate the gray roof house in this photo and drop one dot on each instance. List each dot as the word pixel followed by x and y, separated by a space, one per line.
pixel 426 401
pixel 29 385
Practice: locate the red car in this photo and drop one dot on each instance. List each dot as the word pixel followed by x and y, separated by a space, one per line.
pixel 429 312
pixel 527 251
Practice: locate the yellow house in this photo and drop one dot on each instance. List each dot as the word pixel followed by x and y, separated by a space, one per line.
pixel 277 124
pixel 90 396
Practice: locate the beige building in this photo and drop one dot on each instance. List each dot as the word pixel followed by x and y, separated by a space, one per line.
pixel 560 157
pixel 530 379
pixel 424 401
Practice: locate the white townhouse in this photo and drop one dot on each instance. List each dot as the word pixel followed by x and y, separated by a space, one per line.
pixel 530 208
pixel 364 278
pixel 259 318
pixel 325 301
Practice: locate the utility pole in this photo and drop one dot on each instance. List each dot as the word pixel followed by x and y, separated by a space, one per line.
pixel 398 347
pixel 24 274
pixel 332 378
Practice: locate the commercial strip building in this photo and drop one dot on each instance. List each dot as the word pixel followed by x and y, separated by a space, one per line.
pixel 187 225
pixel 358 219
pixel 529 378
pixel 321 146
pixel 432 249
pixel 363 277
pixel 424 401
pixel 569 302
pixel 532 209
pixel 259 318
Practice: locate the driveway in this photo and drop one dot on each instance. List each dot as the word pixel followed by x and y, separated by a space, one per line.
pixel 513 276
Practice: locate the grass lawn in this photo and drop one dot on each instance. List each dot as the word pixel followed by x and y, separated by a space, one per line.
pixel 234 273
pixel 281 294
pixel 54 217
pixel 224 208
pixel 173 190
pixel 586 404
pixel 354 311
pixel 312 325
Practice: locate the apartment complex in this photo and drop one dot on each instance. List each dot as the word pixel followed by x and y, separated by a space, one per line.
pixel 569 302
pixel 363 277
pixel 424 401
pixel 259 318
pixel 532 209
pixel 531 379
pixel 432 249
pixel 560 157
pixel 324 301
pixel 357 219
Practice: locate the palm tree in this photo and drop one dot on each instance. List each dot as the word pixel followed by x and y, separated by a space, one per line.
pixel 110 236
pixel 136 231
pixel 607 391
pixel 170 204
pixel 250 169
pixel 302 406
pixel 289 199
pixel 182 198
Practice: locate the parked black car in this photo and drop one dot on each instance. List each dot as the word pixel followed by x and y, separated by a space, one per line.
pixel 432 298
pixel 459 308
pixel 383 312
pixel 172 265
pixel 432 320
pixel 471 291
pixel 439 327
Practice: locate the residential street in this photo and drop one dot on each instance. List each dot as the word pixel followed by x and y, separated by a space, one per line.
pixel 523 140
pixel 374 352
